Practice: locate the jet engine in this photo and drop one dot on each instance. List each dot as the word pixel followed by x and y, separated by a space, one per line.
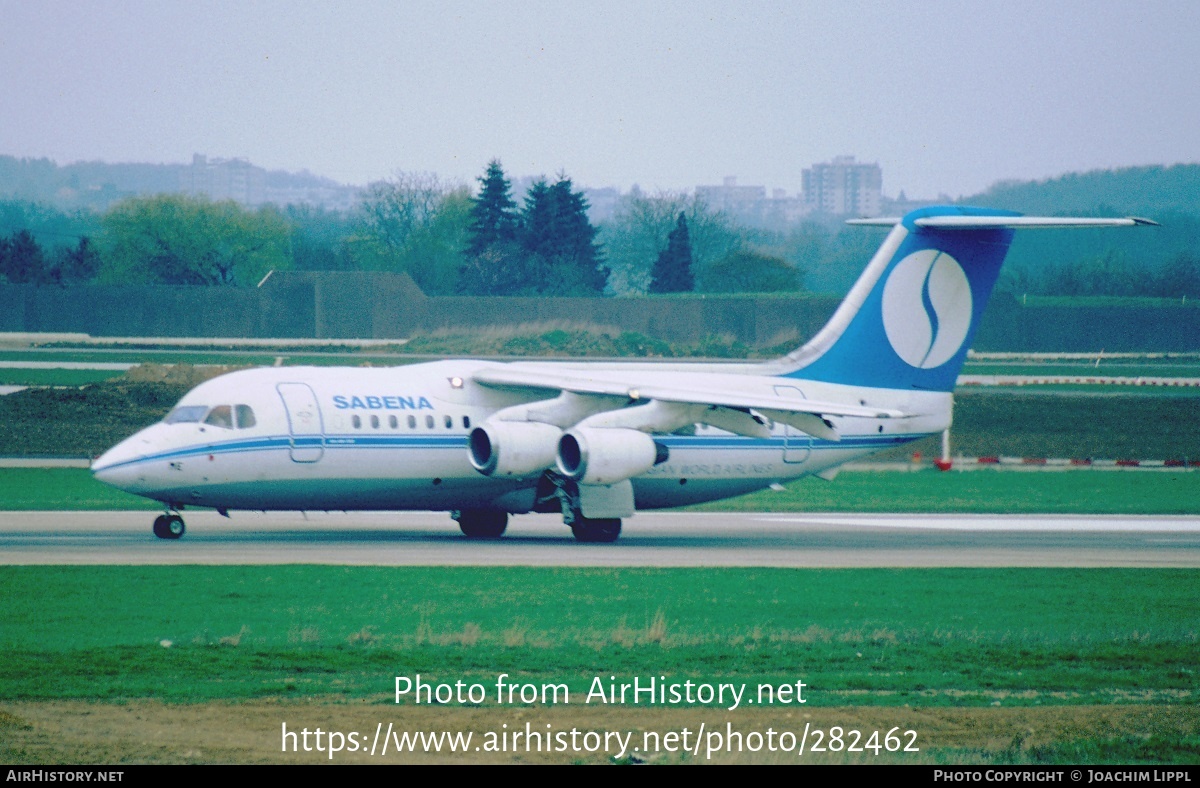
pixel 607 455
pixel 513 448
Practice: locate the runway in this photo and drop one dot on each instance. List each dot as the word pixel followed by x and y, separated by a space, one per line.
pixel 650 539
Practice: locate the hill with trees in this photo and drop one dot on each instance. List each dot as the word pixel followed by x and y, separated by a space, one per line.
pixel 1162 261
pixel 493 242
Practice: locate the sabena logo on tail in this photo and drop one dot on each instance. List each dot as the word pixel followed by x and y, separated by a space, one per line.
pixel 927 308
pixel 909 320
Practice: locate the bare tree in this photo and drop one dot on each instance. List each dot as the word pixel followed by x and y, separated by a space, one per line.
pixel 414 222
pixel 639 231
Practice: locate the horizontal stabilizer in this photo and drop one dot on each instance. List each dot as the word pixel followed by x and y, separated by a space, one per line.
pixel 1006 222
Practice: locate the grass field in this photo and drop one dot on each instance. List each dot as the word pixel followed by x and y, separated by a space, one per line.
pixel 989 666
pixel 212 357
pixel 55 377
pixel 569 342
pixel 1108 369
pixel 937 636
pixel 982 491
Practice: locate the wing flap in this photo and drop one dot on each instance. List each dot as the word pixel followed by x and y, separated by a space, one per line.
pixel 633 390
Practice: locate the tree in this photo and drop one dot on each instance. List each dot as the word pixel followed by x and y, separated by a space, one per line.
pixel 77 264
pixel 319 238
pixel 1180 277
pixel 638 232
pixel 549 248
pixel 563 257
pixel 416 223
pixel 395 208
pixel 748 271
pixel 1107 275
pixel 673 269
pixel 176 239
pixel 21 259
pixel 492 258
pixel 500 270
pixel 493 213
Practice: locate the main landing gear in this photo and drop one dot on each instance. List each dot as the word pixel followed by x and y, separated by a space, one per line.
pixel 603 530
pixel 482 523
pixel 169 526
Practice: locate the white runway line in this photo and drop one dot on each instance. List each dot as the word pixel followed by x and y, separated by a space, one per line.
pixel 987 522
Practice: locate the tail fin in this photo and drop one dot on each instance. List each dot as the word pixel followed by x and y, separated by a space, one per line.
pixel 910 318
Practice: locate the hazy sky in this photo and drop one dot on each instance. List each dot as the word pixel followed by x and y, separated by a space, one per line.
pixel 948 97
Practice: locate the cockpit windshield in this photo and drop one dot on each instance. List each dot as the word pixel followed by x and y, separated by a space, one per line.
pixel 186 413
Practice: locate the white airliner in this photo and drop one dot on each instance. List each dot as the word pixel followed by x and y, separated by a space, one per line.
pixel 596 441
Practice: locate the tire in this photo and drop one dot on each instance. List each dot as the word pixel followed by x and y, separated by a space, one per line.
pixel 483 523
pixel 598 531
pixel 169 526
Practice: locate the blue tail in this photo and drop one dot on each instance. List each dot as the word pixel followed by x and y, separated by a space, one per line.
pixel 910 318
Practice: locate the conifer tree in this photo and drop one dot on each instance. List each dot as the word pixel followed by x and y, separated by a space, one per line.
pixel 494 217
pixel 560 241
pixel 673 269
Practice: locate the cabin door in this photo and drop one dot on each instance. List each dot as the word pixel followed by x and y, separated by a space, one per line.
pixel 304 421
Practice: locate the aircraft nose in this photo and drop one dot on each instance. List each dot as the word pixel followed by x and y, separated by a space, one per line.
pixel 118 468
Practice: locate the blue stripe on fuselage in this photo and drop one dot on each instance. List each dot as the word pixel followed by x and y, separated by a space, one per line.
pixel 459 442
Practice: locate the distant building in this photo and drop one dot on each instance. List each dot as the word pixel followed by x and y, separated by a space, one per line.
pixel 844 187
pixel 602 203
pixel 244 183
pixel 783 210
pixel 224 179
pixel 751 206
pixel 744 202
pixel 902 204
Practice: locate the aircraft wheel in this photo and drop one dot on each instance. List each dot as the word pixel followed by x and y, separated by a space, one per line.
pixel 169 526
pixel 598 531
pixel 482 523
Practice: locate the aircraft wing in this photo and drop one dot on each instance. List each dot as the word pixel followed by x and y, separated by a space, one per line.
pixel 617 384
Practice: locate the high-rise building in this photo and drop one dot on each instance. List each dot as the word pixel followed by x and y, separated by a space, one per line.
pixel 844 187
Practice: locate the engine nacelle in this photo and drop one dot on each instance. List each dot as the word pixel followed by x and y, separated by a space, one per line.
pixel 513 448
pixel 607 455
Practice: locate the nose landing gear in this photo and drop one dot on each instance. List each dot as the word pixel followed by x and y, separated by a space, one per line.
pixel 169 526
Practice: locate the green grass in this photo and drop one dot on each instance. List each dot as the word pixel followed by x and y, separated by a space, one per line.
pixel 216 357
pixel 860 637
pixel 1092 301
pixel 929 491
pixel 55 377
pixel 1116 369
pixel 1084 390
pixel 68 489
pixel 983 491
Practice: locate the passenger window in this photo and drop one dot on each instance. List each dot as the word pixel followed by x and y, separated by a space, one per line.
pixel 374 422
pixel 392 422
pixel 429 422
pixel 356 421
pixel 220 416
pixel 245 416
pixel 466 422
pixel 412 422
pixel 449 422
